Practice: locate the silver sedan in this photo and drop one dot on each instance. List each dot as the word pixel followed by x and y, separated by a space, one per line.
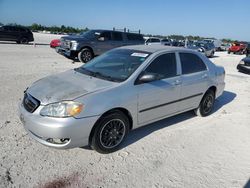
pixel 98 103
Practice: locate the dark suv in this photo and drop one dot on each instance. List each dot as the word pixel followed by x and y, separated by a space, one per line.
pixel 16 33
pixel 86 45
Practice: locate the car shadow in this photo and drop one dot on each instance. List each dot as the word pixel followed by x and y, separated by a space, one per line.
pixel 146 130
pixel 215 56
pixel 29 44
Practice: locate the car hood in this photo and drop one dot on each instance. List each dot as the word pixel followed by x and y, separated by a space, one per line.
pixel 246 59
pixel 68 85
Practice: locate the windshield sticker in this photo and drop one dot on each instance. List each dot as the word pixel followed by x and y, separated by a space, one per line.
pixel 96 33
pixel 139 55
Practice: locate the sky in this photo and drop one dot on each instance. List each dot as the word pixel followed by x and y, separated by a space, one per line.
pixel 207 18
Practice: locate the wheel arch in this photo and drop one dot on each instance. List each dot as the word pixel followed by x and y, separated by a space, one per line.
pixel 118 109
pixel 88 47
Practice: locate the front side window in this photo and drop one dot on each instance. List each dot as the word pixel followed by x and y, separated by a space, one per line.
pixel 106 35
pixel 191 63
pixel 116 65
pixel 164 66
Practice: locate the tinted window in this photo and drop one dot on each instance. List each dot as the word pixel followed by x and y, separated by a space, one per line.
pixel 131 36
pixel 117 36
pixel 191 63
pixel 155 40
pixel 106 35
pixel 164 66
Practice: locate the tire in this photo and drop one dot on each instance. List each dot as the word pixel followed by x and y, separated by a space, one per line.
pixel 85 55
pixel 228 52
pixel 206 104
pixel 109 132
pixel 212 54
pixel 24 40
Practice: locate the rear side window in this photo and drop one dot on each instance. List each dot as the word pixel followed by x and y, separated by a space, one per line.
pixel 106 35
pixel 164 66
pixel 191 63
pixel 117 36
pixel 131 36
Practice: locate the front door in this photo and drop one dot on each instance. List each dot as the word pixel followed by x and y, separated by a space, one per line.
pixel 159 98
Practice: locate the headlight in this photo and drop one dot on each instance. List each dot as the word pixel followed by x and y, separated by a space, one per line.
pixel 242 62
pixel 62 109
pixel 73 45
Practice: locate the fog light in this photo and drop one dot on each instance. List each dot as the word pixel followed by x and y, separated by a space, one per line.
pixel 58 140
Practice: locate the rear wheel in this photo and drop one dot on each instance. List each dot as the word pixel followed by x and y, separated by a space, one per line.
pixel 206 104
pixel 24 40
pixel 85 55
pixel 109 133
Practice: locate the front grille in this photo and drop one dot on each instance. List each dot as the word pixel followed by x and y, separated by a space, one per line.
pixel 30 103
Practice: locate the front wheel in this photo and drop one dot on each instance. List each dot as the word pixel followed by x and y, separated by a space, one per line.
pixel 206 104
pixel 109 133
pixel 85 55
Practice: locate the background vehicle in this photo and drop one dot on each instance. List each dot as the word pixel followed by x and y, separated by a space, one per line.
pixel 16 33
pixel 166 42
pixel 225 46
pixel 248 50
pixel 153 40
pixel 178 44
pixel 239 48
pixel 244 65
pixel 207 48
pixel 55 43
pixel 96 107
pixel 217 43
pixel 88 44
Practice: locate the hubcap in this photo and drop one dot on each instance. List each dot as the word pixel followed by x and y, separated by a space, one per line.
pixel 86 56
pixel 112 133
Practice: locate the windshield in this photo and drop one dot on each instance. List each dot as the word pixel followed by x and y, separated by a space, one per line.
pixel 116 65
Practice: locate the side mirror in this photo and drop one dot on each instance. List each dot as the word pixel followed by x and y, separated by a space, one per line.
pixel 101 39
pixel 146 78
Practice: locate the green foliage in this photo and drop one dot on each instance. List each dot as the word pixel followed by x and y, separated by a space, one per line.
pixel 52 29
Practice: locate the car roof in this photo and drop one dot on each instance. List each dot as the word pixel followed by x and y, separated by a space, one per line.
pixel 155 48
pixel 103 30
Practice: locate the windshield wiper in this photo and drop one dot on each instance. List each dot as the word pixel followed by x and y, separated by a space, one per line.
pixel 97 74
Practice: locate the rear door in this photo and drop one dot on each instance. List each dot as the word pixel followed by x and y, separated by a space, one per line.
pixel 104 45
pixel 117 39
pixel 159 98
pixel 194 80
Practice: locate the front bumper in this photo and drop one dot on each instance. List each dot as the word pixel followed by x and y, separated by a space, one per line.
pixel 243 68
pixel 43 128
pixel 71 54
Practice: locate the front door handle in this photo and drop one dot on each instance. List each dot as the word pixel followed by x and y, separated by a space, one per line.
pixel 177 82
pixel 204 76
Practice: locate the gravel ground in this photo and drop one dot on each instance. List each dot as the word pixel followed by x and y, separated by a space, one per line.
pixel 182 151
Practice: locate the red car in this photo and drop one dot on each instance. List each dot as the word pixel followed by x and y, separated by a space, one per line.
pixel 237 48
pixel 55 43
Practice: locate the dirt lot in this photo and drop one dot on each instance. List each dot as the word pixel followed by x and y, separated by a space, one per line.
pixel 182 151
